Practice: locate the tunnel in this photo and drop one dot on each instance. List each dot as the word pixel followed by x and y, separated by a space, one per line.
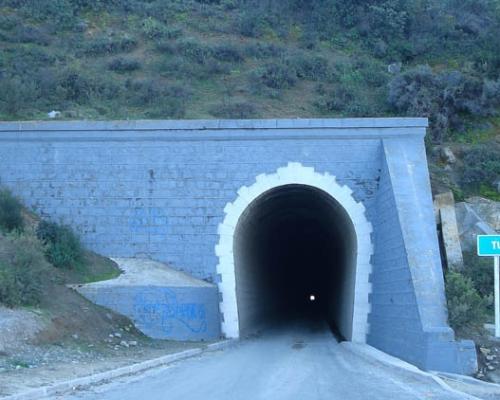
pixel 295 259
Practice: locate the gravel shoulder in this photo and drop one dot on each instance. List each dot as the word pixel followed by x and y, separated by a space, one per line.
pixel 74 361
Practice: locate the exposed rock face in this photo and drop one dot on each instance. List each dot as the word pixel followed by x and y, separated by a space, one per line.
pixel 475 217
pixel 488 210
pixel 447 155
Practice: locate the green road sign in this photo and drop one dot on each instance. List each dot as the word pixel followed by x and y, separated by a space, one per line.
pixel 488 245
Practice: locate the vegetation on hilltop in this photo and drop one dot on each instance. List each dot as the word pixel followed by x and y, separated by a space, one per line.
pixel 127 59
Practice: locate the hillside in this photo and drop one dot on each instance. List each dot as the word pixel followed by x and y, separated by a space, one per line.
pixel 132 59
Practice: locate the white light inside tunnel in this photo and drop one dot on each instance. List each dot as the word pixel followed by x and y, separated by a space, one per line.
pixel 312 297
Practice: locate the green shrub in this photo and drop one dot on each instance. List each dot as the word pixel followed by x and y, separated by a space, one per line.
pixel 250 24
pixel 31 34
pixel 163 100
pixel 109 45
pixel 154 29
pixel 23 270
pixel 227 52
pixel 480 272
pixel 309 67
pixel 24 60
pixel 466 308
pixel 17 95
pixel 60 13
pixel 79 86
pixel 238 110
pixel 63 248
pixel 481 166
pixel 278 76
pixel 122 64
pixel 10 212
pixel 194 51
pixel 262 50
pixel 443 97
pixel 8 22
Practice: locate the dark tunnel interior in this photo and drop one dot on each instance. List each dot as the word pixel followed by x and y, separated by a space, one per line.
pixel 295 260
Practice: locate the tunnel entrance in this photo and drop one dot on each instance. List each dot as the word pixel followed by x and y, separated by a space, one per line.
pixel 295 260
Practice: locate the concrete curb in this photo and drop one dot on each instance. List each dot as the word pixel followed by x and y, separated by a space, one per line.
pixel 481 389
pixel 374 355
pixel 102 377
pixel 467 379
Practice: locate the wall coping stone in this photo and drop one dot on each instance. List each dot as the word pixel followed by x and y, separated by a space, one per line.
pixel 197 130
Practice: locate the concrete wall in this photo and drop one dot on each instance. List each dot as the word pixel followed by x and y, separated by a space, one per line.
pixel 409 314
pixel 159 188
pixel 190 313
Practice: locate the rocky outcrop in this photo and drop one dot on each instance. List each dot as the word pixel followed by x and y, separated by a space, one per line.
pixel 477 216
pixel 487 210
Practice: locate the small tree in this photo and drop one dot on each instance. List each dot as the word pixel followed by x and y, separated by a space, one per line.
pixel 466 308
pixel 10 212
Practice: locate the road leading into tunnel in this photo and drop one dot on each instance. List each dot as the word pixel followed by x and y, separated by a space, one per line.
pixel 301 362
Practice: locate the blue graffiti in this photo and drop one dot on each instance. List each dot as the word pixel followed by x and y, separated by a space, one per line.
pixel 159 309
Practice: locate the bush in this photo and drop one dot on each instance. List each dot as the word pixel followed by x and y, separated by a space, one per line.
pixel 24 60
pixel 124 65
pixel 264 50
pixel 10 212
pixel 63 248
pixel 480 271
pixel 60 13
pixel 17 95
pixel 309 67
pixel 336 100
pixel 466 308
pixel 8 22
pixel 194 51
pixel 109 45
pixel 75 86
pixel 31 34
pixel 481 166
pixel 153 29
pixel 79 86
pixel 163 100
pixel 444 98
pixel 239 110
pixel 23 270
pixel 250 24
pixel 227 52
pixel 277 76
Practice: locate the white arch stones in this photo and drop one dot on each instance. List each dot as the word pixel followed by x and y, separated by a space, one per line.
pixel 294 173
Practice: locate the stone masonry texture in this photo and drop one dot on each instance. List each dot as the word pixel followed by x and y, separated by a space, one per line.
pixel 158 189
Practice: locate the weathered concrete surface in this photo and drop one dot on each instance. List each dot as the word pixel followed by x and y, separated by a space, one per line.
pixel 163 303
pixel 444 205
pixel 283 364
pixel 145 272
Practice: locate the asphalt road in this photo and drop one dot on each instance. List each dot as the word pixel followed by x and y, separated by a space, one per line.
pixel 300 364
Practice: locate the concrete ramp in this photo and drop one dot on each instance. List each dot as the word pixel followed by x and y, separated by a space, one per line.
pixel 163 303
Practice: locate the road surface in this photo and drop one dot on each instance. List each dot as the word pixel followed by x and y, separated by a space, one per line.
pixel 285 364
